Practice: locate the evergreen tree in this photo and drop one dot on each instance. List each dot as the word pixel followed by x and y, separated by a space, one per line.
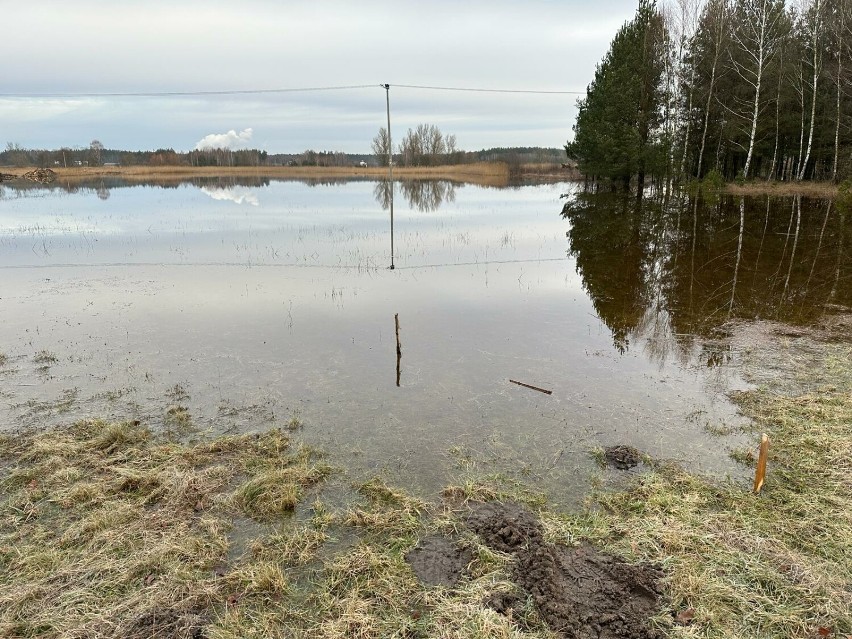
pixel 756 88
pixel 617 133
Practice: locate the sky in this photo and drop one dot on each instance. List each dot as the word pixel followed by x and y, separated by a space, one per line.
pixel 62 50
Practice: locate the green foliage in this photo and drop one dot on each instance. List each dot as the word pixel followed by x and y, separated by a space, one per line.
pixel 617 134
pixel 713 181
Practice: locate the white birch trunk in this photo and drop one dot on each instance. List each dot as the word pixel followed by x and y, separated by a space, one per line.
pixel 815 42
pixel 755 112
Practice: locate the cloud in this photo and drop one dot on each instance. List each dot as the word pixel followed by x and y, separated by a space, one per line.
pixel 229 140
pixel 238 195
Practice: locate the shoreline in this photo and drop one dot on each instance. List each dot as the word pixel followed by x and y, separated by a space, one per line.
pixel 483 173
pixel 806 189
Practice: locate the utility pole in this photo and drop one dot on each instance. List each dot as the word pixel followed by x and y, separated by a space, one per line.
pixel 390 165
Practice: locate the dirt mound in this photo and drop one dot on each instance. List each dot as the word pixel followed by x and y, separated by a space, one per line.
pixel 438 561
pixel 580 592
pixel 622 457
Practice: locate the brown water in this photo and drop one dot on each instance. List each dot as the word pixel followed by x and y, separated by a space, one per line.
pixel 252 303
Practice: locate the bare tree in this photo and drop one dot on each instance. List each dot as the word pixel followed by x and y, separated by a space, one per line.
pixel 812 16
pixel 381 147
pixel 424 145
pixel 839 22
pixel 689 14
pixel 757 35
pixel 96 147
pixel 715 20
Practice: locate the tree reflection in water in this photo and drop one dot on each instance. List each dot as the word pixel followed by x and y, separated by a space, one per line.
pixel 653 277
pixel 424 196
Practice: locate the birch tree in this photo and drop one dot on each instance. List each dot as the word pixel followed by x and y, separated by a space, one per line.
pixel 690 12
pixel 812 19
pixel 839 30
pixel 713 29
pixel 757 35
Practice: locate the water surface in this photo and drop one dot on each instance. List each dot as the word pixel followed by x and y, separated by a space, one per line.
pixel 254 302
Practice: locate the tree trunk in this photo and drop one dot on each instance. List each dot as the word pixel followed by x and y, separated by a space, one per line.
pixel 771 175
pixel 758 81
pixel 837 116
pixel 816 65
pixel 688 119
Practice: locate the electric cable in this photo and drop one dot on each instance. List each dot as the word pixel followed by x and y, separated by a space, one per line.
pixel 226 92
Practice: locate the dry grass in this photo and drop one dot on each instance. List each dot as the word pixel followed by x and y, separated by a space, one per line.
pixel 105 531
pixel 807 189
pixel 486 173
pixel 777 564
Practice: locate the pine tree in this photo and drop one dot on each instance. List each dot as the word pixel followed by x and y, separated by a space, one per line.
pixel 616 135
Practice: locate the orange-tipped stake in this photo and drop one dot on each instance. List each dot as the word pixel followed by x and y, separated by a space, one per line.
pixel 760 473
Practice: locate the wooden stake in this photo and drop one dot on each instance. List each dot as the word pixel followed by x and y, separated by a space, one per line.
pixel 535 388
pixel 398 348
pixel 760 472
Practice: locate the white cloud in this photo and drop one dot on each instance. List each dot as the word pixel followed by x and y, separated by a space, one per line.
pixel 238 195
pixel 230 140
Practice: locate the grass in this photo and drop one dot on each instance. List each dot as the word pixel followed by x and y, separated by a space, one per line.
pixel 778 564
pixel 45 357
pixel 108 530
pixel 483 173
pixel 762 187
pixel 488 173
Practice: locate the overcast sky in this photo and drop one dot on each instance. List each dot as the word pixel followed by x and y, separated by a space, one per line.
pixel 100 46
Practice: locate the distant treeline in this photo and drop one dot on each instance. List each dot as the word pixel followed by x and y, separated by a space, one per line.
pixel 746 88
pixel 96 155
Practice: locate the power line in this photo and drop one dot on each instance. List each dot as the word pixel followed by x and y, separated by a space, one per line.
pixel 169 94
pixel 225 92
pixel 535 92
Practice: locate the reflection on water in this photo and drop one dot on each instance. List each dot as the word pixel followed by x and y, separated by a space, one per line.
pixel 422 195
pixel 235 194
pixel 668 271
pixel 250 303
pixel 103 186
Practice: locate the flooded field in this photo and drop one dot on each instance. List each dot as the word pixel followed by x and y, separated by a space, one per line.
pixel 237 307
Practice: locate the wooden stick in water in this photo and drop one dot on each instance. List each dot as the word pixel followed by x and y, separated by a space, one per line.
pixel 536 388
pixel 398 348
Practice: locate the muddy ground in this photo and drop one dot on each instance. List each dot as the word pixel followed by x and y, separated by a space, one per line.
pixel 579 592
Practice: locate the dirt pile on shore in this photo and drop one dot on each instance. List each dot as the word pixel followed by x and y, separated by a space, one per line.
pixel 438 561
pixel 579 592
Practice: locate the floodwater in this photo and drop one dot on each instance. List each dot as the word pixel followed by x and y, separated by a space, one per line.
pixel 253 303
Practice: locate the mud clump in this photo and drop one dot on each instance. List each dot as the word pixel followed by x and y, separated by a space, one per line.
pixel 580 593
pixel 438 561
pixel 622 457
